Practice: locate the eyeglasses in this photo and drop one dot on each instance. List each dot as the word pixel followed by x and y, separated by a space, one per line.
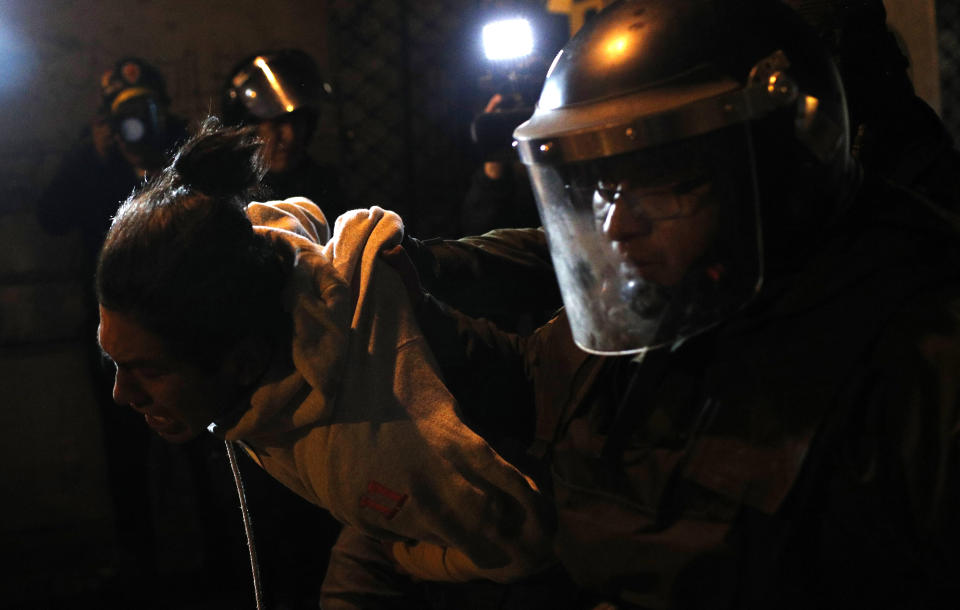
pixel 664 201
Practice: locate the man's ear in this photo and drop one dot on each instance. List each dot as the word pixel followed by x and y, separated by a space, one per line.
pixel 250 358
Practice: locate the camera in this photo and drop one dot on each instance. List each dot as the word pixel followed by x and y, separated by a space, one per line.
pixel 137 120
pixel 517 50
pixel 492 132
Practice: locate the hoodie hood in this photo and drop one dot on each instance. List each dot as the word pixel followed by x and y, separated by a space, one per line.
pixel 355 418
pixel 328 280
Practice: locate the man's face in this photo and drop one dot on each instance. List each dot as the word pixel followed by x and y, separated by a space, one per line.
pixel 178 399
pixel 659 229
pixel 284 141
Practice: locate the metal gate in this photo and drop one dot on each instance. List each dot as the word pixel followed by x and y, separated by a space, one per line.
pixel 403 107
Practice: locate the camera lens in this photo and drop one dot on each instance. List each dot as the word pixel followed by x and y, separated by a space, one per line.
pixel 132 129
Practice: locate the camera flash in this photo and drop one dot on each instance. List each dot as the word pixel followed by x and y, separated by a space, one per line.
pixel 507 39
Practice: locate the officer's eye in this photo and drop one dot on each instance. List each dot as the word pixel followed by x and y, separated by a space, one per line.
pixel 691 186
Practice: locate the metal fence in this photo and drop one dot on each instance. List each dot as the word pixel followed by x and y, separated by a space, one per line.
pixel 403 106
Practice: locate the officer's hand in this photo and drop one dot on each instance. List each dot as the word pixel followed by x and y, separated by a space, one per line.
pixel 398 258
pixel 493 102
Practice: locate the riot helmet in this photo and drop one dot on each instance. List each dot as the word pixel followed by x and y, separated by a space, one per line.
pixel 670 139
pixel 270 84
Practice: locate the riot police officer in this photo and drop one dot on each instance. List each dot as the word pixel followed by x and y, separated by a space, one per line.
pixel 280 92
pixel 749 399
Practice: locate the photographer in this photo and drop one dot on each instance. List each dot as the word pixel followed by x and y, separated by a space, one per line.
pixel 499 195
pixel 518 47
pixel 124 143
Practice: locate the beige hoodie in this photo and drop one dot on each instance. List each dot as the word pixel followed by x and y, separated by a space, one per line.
pixel 359 422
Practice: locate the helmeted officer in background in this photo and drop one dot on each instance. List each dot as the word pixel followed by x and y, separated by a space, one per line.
pixel 750 398
pixel 280 92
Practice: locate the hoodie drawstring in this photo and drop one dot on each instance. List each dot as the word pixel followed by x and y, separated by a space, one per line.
pixel 247 525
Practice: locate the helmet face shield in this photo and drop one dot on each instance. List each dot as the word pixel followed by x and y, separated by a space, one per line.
pixel 660 125
pixel 654 245
pixel 267 93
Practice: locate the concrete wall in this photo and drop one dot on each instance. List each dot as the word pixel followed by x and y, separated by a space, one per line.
pixel 56 521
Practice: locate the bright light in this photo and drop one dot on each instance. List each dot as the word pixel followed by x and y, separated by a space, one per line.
pixel 507 39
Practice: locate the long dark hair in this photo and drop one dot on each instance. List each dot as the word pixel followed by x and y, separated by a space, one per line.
pixel 182 259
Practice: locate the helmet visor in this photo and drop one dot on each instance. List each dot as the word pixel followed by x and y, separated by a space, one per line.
pixel 268 88
pixel 653 246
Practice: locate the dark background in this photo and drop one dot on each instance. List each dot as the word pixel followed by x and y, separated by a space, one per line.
pixel 405 74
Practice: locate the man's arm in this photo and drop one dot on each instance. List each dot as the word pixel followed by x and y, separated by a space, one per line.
pixel 503 274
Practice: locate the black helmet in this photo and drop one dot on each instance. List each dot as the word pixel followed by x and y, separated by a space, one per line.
pixel 128 78
pixel 133 99
pixel 270 84
pixel 693 116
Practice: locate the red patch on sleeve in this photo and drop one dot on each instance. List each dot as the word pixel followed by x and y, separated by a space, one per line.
pixel 382 499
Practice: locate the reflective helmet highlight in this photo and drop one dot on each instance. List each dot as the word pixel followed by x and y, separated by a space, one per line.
pixel 271 84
